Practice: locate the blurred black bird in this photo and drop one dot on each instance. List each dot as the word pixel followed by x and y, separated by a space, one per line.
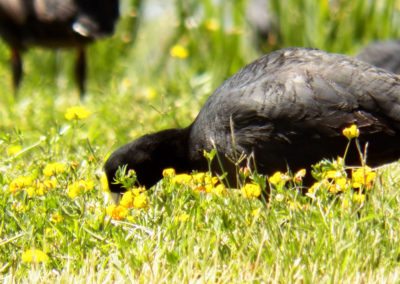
pixel 383 54
pixel 55 24
pixel 286 109
pixel 263 23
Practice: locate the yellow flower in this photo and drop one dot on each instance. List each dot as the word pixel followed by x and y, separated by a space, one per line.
pixel 182 218
pixel 135 198
pixel 339 185
pixel 127 199
pixel 50 183
pixel 20 183
pixel 56 218
pixel 212 25
pixel 19 207
pixel 140 201
pixel 13 149
pixel 294 205
pixel 77 113
pixel 358 198
pixel 199 178
pixel 278 179
pixel 219 189
pixel 256 212
pixel 298 177
pixel 351 132
pixel 30 191
pixel 333 174
pixel 250 190
pixel 53 169
pixel 130 218
pixel 117 212
pixel 316 186
pixel 126 83
pixel 364 176
pixel 37 189
pixel 204 179
pixel 170 172
pixel 34 256
pixel 79 187
pixel 179 51
pixel 345 203
pixel 183 179
pixel 151 93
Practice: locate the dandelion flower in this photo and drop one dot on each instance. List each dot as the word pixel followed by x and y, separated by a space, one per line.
pixel 333 174
pixel 182 218
pixel 141 201
pixel 345 203
pixel 219 189
pixel 212 25
pixel 127 199
pixel 339 185
pixel 364 176
pixel 117 212
pixel 138 190
pixel 77 113
pixel 56 218
pixel 179 51
pixel 50 183
pixel 278 179
pixel 34 256
pixel 256 212
pixel 294 205
pixel 80 186
pixel 170 172
pixel 53 169
pixel 20 183
pixel 19 207
pixel 358 198
pixel 151 93
pixel 251 190
pixel 31 191
pixel 183 179
pixel 351 132
pixel 13 149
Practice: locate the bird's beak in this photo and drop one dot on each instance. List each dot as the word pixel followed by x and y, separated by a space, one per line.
pixel 81 29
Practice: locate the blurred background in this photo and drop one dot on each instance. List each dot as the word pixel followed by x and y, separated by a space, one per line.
pixel 166 57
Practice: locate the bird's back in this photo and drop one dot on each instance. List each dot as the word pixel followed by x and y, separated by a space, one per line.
pixel 385 54
pixel 289 107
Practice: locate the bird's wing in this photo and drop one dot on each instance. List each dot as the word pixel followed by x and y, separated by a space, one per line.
pixel 318 97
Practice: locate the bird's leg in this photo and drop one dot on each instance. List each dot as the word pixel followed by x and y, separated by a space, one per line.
pixel 16 63
pixel 80 70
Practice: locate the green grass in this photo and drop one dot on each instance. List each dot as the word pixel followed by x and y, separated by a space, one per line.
pixel 136 87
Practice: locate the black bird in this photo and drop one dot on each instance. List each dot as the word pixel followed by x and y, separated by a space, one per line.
pixel 286 109
pixel 55 24
pixel 383 54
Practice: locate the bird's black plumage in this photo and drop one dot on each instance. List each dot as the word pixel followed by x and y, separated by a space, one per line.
pixel 286 109
pixel 54 24
pixel 383 54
